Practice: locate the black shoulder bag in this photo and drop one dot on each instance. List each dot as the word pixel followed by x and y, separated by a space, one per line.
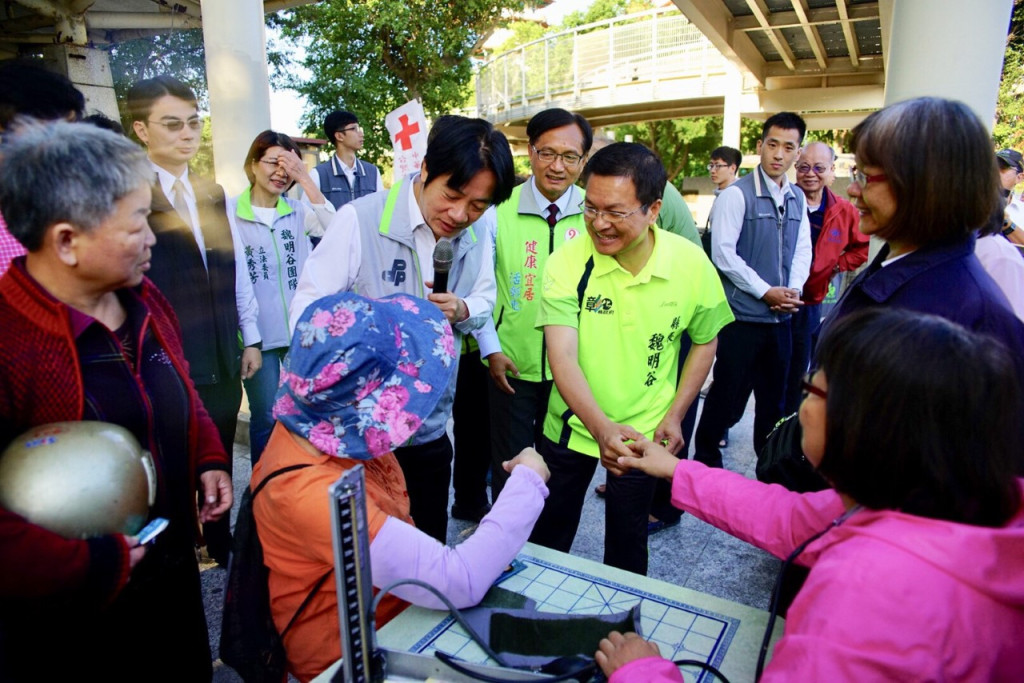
pixel 249 641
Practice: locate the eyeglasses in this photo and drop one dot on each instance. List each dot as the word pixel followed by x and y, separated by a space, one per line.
pixel 612 217
pixel 862 179
pixel 819 169
pixel 712 167
pixel 357 128
pixel 272 163
pixel 175 125
pixel 548 156
pixel 808 388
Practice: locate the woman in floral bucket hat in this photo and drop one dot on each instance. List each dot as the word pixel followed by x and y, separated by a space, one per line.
pixel 359 379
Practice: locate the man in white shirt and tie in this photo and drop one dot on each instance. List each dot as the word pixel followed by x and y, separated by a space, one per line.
pixel 193 263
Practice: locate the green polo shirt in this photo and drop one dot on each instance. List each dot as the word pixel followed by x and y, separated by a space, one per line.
pixel 629 328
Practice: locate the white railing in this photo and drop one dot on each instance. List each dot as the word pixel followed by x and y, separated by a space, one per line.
pixel 657 54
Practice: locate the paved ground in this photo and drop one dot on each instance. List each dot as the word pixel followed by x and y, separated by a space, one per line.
pixel 692 554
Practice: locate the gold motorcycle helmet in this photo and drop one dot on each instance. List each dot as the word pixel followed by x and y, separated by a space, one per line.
pixel 79 479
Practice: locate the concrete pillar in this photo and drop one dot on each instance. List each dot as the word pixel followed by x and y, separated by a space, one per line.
pixel 733 106
pixel 948 48
pixel 236 71
pixel 89 69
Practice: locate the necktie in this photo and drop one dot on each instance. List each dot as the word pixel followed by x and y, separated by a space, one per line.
pixel 552 215
pixel 179 204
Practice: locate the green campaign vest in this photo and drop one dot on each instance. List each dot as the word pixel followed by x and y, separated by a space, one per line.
pixel 522 245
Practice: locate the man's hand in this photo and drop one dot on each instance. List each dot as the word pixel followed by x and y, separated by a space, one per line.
pixel 217 495
pixel 528 457
pixel 612 439
pixel 617 650
pixel 669 434
pixel 451 305
pixel 499 365
pixel 252 361
pixel 783 299
pixel 650 458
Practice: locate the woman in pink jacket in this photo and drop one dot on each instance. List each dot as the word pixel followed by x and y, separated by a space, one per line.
pixel 919 571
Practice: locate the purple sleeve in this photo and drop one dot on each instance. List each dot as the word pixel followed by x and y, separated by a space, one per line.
pixel 465 572
pixel 765 515
pixel 649 670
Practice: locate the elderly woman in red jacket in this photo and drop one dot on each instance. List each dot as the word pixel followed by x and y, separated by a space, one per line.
pixel 87 337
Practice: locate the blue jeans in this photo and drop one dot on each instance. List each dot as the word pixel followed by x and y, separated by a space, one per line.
pixel 261 389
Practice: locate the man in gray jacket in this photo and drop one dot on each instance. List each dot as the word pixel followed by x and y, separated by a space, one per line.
pixel 761 246
pixel 383 244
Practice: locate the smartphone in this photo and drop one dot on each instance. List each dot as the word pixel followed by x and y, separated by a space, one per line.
pixel 152 530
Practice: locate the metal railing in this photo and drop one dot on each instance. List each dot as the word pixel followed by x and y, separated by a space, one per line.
pixel 652 55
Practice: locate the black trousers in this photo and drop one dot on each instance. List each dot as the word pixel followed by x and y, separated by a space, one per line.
pixel 749 354
pixel 661 506
pixel 472 433
pixel 222 401
pixel 627 505
pixel 428 471
pixel 805 324
pixel 517 421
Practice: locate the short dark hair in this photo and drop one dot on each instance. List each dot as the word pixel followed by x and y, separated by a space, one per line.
pixel 49 176
pixel 259 147
pixel 105 122
pixel 28 89
pixel 786 120
pixel 729 155
pixel 549 119
pixel 146 92
pixel 921 416
pixel 463 147
pixel 337 120
pixel 634 161
pixel 937 157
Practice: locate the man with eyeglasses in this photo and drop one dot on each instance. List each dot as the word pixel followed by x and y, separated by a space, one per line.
pixel 541 214
pixel 761 245
pixel 615 309
pixel 193 264
pixel 837 246
pixel 344 176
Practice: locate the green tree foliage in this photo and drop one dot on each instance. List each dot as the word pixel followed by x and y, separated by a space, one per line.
pixel 372 56
pixel 1009 126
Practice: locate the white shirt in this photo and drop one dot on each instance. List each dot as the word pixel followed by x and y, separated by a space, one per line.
pixel 334 265
pixel 245 298
pixel 727 219
pixel 1003 262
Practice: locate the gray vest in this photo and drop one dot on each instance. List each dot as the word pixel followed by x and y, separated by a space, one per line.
pixel 336 187
pixel 767 243
pixel 389 265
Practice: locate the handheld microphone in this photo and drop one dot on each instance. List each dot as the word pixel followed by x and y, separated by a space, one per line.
pixel 444 254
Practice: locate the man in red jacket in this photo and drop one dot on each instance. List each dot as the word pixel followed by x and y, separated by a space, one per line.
pixel 837 244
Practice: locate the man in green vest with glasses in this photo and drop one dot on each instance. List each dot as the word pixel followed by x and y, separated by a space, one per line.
pixel 542 213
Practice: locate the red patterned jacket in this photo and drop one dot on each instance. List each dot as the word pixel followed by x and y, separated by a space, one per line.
pixel 40 382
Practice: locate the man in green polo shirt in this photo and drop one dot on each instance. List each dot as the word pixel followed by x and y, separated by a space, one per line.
pixel 614 310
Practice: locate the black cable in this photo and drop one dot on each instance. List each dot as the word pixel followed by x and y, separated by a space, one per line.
pixel 777 589
pixel 456 614
pixel 589 670
pixel 703 665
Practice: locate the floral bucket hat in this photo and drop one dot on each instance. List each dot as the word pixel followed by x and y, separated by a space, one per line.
pixel 362 374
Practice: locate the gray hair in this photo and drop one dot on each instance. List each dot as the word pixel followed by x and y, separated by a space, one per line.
pixel 65 172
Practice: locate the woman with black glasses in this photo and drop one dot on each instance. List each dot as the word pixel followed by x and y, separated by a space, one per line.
pixel 915 550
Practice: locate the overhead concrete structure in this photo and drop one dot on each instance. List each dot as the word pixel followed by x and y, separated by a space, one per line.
pixel 72 36
pixel 834 61
pixel 820 56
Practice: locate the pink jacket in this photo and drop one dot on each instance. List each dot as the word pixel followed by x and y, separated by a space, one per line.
pixel 841 246
pixel 890 596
